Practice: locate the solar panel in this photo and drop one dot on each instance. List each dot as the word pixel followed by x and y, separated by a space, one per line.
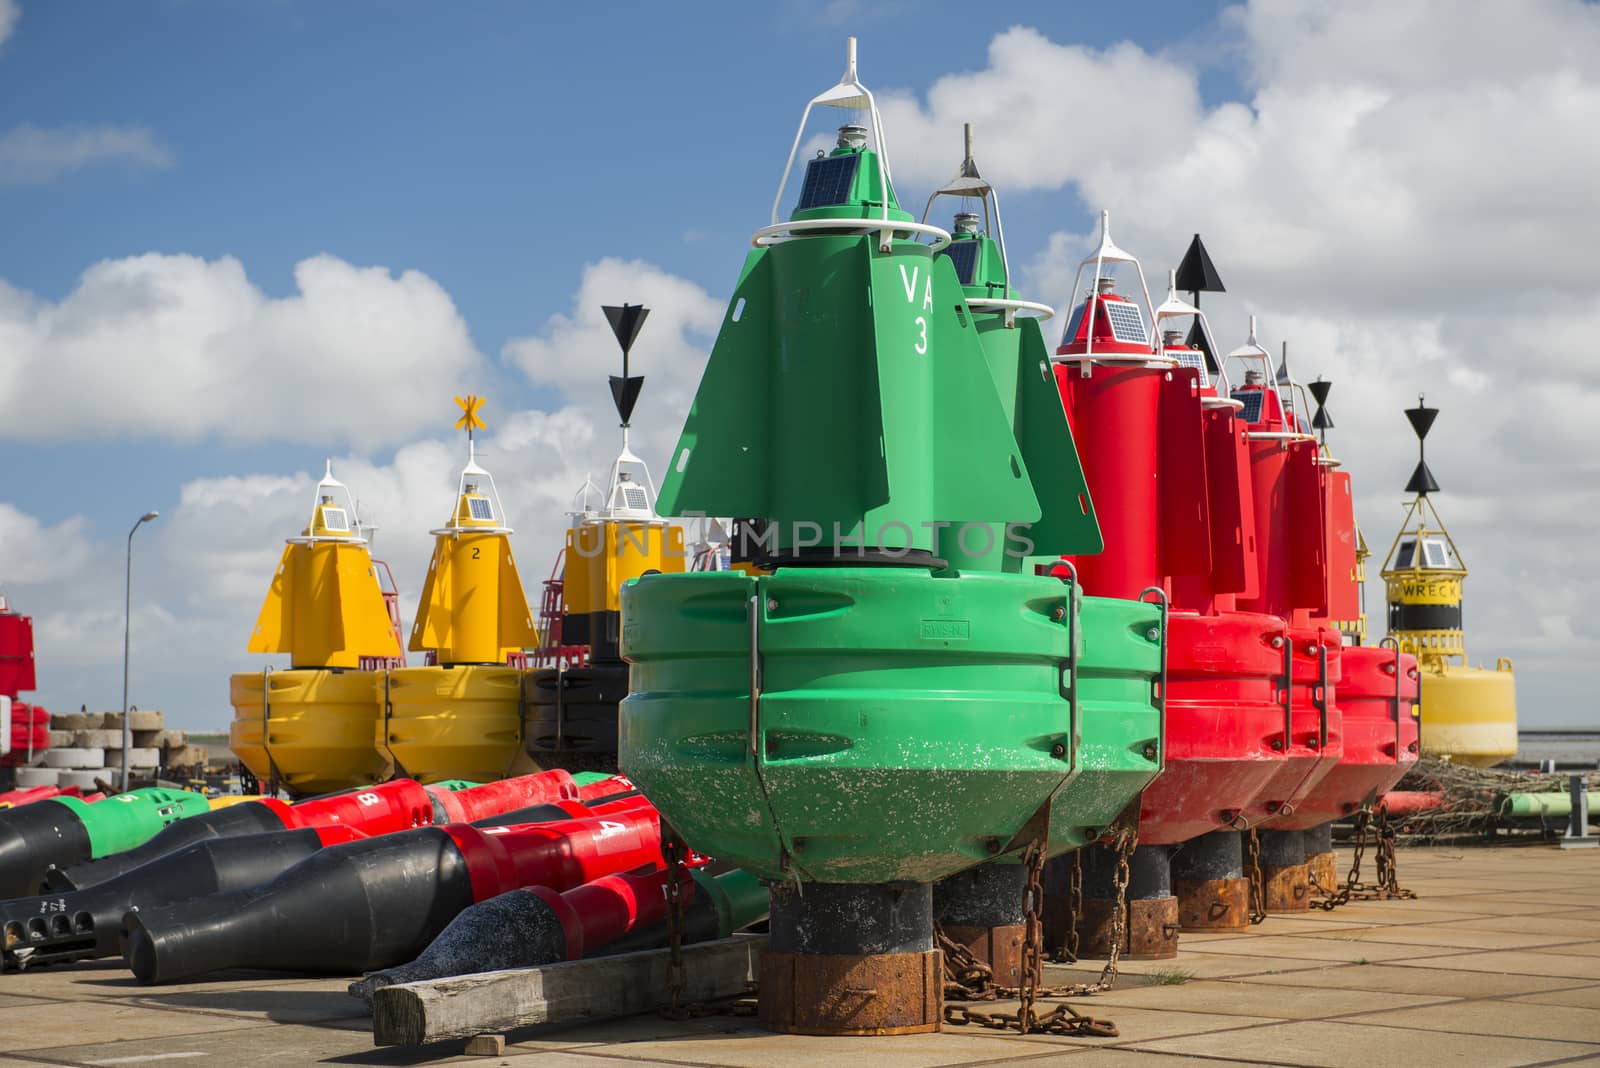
pixel 1070 334
pixel 1127 324
pixel 634 497
pixel 964 258
pixel 1252 400
pixel 827 181
pixel 1191 358
pixel 479 507
pixel 333 519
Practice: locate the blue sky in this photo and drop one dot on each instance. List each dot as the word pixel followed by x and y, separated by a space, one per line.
pixel 238 237
pixel 493 146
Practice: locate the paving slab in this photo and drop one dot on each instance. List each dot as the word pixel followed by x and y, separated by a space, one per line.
pixel 1582 997
pixel 1328 1044
pixel 1447 936
pixel 1304 949
pixel 748 1046
pixel 1511 1020
pixel 52 1024
pixel 234 1044
pixel 1396 979
pixel 1259 999
pixel 1511 962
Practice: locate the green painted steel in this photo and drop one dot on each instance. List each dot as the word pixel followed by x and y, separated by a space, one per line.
pixel 739 898
pixel 908 724
pixel 870 724
pixel 1546 804
pixel 585 778
pixel 454 785
pixel 123 821
pixel 1019 363
pixel 848 392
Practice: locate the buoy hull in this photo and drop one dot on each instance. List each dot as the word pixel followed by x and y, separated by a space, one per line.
pixel 1469 715
pixel 456 722
pixel 316 728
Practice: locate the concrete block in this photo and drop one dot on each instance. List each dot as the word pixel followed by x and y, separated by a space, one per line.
pixel 97 739
pixel 148 739
pixel 67 721
pixel 85 780
pixel 72 757
pixel 142 720
pixel 486 1046
pixel 27 777
pixel 173 739
pixel 60 738
pixel 142 758
pixel 188 756
pixel 95 721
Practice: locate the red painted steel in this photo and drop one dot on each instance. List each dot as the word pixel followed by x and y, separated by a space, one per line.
pixel 559 854
pixel 598 913
pixel 493 798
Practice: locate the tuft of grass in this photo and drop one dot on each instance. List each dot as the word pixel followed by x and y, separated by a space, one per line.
pixel 1361 960
pixel 1169 977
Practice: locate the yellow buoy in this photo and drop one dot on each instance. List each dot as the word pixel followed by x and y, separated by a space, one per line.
pixel 461 717
pixel 1469 714
pixel 310 727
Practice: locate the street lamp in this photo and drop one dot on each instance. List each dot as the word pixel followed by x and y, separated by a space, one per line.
pixel 127 614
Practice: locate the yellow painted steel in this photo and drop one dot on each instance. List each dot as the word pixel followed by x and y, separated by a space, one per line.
pixel 461 718
pixel 313 726
pixel 473 609
pixel 229 800
pixel 460 722
pixel 1469 713
pixel 603 555
pixel 324 607
pixel 316 727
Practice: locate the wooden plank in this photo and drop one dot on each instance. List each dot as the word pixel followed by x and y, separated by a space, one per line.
pixel 412 1014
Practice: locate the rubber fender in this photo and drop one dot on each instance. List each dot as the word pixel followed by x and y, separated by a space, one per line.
pixel 533 926
pixel 366 904
pixel 253 817
pixel 32 838
pixel 83 924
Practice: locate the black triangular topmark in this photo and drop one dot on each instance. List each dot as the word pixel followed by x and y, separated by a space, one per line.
pixel 1422 480
pixel 1196 273
pixel 1422 419
pixel 625 322
pixel 625 392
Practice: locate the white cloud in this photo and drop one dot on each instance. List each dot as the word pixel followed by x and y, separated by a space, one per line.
pixel 30 155
pixel 10 14
pixel 1409 219
pixel 202 570
pixel 179 348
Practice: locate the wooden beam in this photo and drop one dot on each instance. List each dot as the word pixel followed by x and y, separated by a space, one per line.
pixel 412 1014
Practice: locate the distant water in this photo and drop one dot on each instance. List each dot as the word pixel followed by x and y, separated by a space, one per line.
pixel 1570 749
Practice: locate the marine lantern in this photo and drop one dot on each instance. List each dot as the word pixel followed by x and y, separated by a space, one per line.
pixel 1117 732
pixel 859 718
pixel 310 728
pixel 1469 713
pixel 572 711
pixel 1160 442
pixel 1377 687
pixel 461 717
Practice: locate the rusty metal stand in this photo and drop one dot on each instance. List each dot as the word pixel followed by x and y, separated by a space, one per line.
pixel 850 959
pixel 1150 930
pixel 1321 861
pixel 982 910
pixel 1209 882
pixel 1286 880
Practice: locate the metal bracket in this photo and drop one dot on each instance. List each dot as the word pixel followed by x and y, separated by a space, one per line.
pixel 1288 690
pixel 754 605
pixel 1070 580
pixel 1391 643
pixel 1160 699
pixel 1320 695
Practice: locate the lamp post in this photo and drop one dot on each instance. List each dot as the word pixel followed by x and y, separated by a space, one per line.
pixel 127 621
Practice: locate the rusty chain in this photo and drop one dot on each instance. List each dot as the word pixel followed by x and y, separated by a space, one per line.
pixel 672 849
pixel 1258 885
pixel 1074 905
pixel 1388 874
pixel 966 978
pixel 1383 842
